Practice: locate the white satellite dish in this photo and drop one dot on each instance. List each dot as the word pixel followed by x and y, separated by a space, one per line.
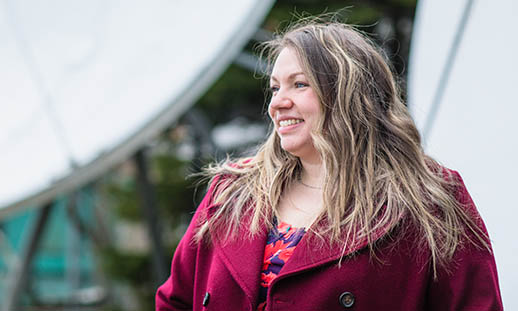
pixel 470 48
pixel 84 84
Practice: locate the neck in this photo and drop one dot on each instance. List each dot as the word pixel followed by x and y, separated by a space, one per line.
pixel 312 173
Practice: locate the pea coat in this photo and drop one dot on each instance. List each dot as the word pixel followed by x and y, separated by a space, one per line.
pixel 226 275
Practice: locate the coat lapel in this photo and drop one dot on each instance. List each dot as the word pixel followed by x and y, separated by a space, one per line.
pixel 243 257
pixel 311 252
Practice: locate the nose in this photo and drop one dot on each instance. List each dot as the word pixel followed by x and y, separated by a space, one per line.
pixel 280 101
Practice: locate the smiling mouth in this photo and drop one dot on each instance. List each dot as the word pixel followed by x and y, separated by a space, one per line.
pixel 290 122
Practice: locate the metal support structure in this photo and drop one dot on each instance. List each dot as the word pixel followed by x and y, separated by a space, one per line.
pixel 148 201
pixel 202 129
pixel 73 247
pixel 447 69
pixel 79 228
pixel 18 275
pixel 7 251
pixel 99 240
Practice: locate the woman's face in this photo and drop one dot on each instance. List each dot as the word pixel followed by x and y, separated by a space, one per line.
pixel 294 107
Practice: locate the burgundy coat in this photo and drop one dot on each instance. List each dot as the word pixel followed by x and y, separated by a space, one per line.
pixel 227 276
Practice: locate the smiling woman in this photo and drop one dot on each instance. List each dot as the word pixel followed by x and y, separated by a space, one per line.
pixel 340 201
pixel 294 107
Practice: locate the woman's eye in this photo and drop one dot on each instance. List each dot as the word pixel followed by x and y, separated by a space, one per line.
pixel 300 84
pixel 274 89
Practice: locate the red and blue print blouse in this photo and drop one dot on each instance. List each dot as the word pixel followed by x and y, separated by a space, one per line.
pixel 280 245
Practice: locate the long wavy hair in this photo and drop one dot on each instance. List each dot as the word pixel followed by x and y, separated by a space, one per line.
pixel 376 172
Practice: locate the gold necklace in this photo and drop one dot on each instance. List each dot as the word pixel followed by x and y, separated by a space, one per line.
pixel 309 217
pixel 309 186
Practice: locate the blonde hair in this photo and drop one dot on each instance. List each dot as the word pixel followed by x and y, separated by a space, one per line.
pixel 376 172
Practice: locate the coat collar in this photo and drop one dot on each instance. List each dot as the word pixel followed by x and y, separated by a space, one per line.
pixel 244 257
pixel 311 252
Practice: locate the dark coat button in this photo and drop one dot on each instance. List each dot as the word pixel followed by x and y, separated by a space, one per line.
pixel 347 299
pixel 206 299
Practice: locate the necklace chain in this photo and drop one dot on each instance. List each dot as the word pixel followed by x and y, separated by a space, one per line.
pixel 309 186
pixel 310 217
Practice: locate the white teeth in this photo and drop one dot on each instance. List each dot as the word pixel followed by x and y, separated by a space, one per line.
pixel 289 122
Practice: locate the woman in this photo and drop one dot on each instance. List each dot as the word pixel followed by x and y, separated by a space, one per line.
pixel 340 208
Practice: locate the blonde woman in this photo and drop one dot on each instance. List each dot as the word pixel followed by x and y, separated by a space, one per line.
pixel 340 208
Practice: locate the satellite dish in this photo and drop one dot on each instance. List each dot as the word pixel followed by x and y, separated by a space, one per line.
pixel 462 94
pixel 84 84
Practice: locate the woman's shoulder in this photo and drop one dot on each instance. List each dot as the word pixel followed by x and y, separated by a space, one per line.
pixel 465 202
pixel 224 175
pixel 452 180
pixel 440 170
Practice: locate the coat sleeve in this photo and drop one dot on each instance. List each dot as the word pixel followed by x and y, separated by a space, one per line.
pixel 178 290
pixel 471 282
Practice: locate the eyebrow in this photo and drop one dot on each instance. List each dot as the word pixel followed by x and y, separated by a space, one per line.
pixel 291 76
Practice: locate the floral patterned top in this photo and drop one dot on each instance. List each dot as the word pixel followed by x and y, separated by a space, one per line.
pixel 280 245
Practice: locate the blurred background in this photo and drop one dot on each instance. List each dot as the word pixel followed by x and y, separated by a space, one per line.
pixel 108 106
